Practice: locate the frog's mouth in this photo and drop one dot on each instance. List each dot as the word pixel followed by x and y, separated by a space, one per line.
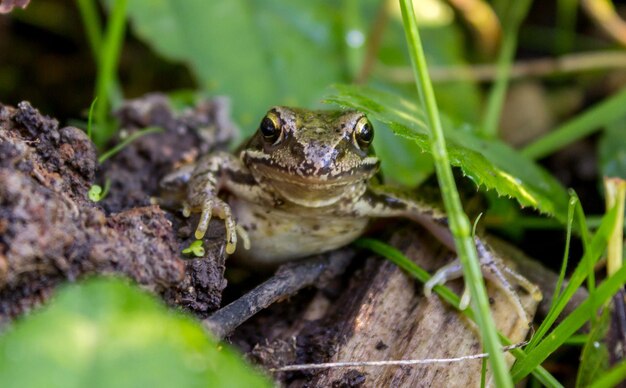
pixel 317 189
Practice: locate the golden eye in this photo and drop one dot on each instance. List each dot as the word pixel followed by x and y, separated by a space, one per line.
pixel 363 132
pixel 270 127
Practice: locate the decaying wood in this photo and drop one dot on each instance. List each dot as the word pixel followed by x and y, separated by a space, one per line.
pixel 383 315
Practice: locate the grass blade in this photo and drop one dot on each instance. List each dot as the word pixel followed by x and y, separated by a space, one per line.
pixel 570 219
pixel 612 377
pixel 107 63
pixel 582 125
pixel 570 325
pixel 459 224
pixel 134 136
pixel 591 256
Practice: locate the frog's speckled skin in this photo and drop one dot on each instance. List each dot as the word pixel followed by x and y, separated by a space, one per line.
pixel 306 189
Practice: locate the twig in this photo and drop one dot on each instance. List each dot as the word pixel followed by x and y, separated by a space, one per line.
pixel 544 67
pixel 289 279
pixel 352 364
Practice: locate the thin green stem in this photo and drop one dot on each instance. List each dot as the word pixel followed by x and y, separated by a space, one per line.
pixel 127 141
pixel 578 340
pixel 593 119
pixel 459 224
pixel 566 25
pixel 107 63
pixel 90 118
pixel 89 14
pixel 573 201
pixel 491 121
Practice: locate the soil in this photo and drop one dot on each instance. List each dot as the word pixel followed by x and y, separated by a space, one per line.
pixel 50 232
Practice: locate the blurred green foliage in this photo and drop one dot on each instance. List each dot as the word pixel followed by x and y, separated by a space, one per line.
pixel 107 333
pixel 612 150
pixel 258 53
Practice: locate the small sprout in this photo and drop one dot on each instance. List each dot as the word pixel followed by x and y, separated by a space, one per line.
pixel 195 248
pixel 90 118
pixel 129 139
pixel 96 193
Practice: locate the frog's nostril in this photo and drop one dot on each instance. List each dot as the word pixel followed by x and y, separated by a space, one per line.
pixel 320 155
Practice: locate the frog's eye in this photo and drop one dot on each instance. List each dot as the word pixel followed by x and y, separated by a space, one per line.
pixel 270 127
pixel 363 132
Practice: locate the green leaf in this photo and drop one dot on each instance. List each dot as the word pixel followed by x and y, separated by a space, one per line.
pixel 612 150
pixel 195 248
pixel 488 163
pixel 106 333
pixel 401 160
pixel 94 193
pixel 252 52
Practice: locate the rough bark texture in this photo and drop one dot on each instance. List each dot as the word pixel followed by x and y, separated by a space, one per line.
pixel 51 232
pixel 383 315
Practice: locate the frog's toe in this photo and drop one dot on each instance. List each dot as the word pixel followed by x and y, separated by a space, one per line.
pixel 205 217
pixel 231 235
pixel 446 273
pixel 186 210
pixel 222 210
pixel 244 236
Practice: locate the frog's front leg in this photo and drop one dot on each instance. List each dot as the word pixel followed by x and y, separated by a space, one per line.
pixel 381 202
pixel 213 173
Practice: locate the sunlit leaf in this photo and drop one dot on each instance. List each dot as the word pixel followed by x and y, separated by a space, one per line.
pixel 489 163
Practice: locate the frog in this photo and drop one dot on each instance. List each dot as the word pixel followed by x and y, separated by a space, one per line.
pixel 305 183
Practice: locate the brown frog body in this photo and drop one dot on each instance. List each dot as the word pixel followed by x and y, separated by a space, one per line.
pixel 304 183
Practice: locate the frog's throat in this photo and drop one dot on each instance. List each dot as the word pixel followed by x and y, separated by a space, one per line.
pixel 316 195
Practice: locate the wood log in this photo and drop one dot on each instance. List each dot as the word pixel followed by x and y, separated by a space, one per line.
pixel 384 315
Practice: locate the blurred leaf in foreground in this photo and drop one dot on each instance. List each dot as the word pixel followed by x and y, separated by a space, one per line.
pixel 107 333
pixel 258 53
pixel 488 163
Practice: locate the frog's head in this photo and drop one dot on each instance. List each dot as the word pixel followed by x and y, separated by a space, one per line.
pixel 312 158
